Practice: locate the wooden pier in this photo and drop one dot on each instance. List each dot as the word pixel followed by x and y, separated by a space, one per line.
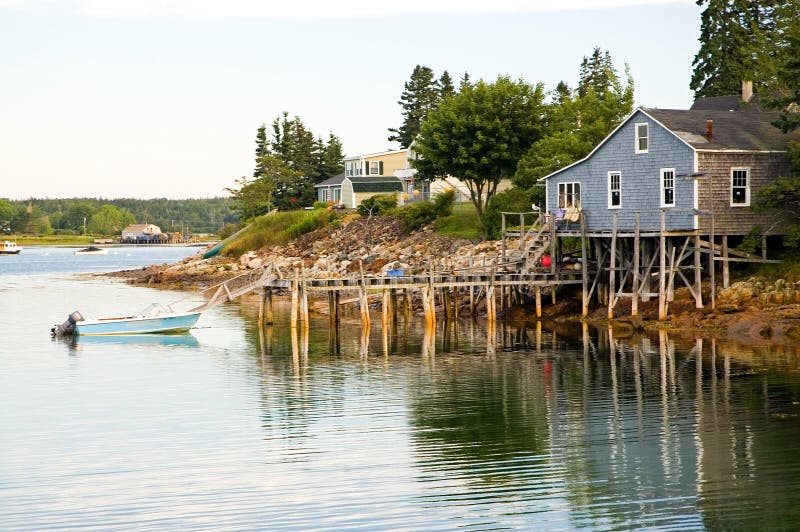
pixel 609 266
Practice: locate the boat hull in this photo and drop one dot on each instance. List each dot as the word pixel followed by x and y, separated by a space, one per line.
pixel 137 325
pixel 14 252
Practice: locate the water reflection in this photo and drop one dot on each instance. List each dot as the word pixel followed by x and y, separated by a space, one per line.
pixel 585 428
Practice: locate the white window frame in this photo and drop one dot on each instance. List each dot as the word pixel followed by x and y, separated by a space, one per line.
pixel 746 187
pixel 638 138
pixel 611 175
pixel 663 188
pixel 377 167
pixel 567 193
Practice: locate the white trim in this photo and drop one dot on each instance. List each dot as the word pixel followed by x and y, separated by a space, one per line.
pixel 625 121
pixel 746 188
pixel 376 154
pixel 608 189
pixel 662 188
pixel 636 137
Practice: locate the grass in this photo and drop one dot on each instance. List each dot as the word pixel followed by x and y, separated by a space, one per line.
pixel 462 223
pixel 50 240
pixel 277 229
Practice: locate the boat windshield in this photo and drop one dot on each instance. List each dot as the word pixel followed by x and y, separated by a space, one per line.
pixel 155 309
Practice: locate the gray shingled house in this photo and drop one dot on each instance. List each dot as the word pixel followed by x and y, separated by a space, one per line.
pixel 709 160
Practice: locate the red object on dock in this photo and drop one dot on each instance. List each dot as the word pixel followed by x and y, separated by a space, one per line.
pixel 546 261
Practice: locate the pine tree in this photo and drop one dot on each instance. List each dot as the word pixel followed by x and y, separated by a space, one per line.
pixel 464 82
pixel 736 44
pixel 446 87
pixel 596 73
pixel 262 149
pixel 786 88
pixel 419 97
pixel 332 155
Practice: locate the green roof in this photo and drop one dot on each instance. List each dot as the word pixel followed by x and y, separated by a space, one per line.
pixel 375 184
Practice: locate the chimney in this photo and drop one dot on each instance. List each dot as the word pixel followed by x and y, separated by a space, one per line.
pixel 747 91
pixel 709 130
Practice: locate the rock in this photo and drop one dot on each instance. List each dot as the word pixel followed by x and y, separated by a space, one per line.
pixel 255 263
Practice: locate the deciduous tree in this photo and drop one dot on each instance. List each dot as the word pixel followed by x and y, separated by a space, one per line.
pixel 479 135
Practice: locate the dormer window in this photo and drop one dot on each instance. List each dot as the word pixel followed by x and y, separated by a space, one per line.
pixel 641 138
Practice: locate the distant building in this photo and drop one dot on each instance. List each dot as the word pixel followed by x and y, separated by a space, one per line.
pixel 142 233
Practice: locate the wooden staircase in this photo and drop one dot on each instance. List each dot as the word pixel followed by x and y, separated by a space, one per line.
pixel 238 286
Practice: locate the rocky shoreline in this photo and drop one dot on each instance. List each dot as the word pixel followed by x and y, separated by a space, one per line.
pixel 750 310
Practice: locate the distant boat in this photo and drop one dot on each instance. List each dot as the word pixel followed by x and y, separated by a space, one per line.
pixel 155 318
pixel 9 248
pixel 92 250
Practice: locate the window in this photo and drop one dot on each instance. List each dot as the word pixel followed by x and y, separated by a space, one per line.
pixel 740 187
pixel 667 187
pixel 641 138
pixel 374 168
pixel 614 190
pixel 349 168
pixel 569 195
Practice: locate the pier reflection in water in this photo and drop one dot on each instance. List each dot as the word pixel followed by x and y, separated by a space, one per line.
pixel 236 426
pixel 573 426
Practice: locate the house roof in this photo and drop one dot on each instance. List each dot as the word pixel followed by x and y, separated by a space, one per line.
pixel 375 184
pixel 746 129
pixel 137 227
pixel 331 181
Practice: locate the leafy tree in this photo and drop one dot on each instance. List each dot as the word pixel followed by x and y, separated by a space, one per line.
pixel 77 216
pixel 421 94
pixel 110 220
pixel 736 44
pixel 479 135
pixel 6 216
pixel 578 120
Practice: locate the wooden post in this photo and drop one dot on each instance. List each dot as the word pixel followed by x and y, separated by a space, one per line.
pixel 503 232
pixel 446 304
pixel 336 308
pixel 269 317
pixel 538 292
pixel 636 265
pixel 584 268
pixel 662 266
pixel 364 301
pixel 295 298
pixel 612 269
pixel 712 266
pixel 304 318
pixel 764 247
pixel 471 291
pixel 698 280
pixel 553 249
pixel 262 295
pixel 385 310
pixel 726 271
pixel 393 306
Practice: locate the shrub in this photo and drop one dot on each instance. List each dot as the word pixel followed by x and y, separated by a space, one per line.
pixel 378 204
pixel 511 200
pixel 416 215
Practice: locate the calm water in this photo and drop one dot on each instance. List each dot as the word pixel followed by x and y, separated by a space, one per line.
pixel 230 429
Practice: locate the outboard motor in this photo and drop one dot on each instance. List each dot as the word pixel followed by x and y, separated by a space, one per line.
pixel 68 327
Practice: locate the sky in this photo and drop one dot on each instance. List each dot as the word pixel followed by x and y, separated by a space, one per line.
pixel 162 98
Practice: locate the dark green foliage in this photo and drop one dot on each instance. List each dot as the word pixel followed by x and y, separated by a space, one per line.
pixel 378 204
pixel 480 134
pixel 737 43
pixel 420 95
pixel 511 200
pixel 786 88
pixel 416 215
pixel 258 196
pixel 751 241
pixel 446 87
